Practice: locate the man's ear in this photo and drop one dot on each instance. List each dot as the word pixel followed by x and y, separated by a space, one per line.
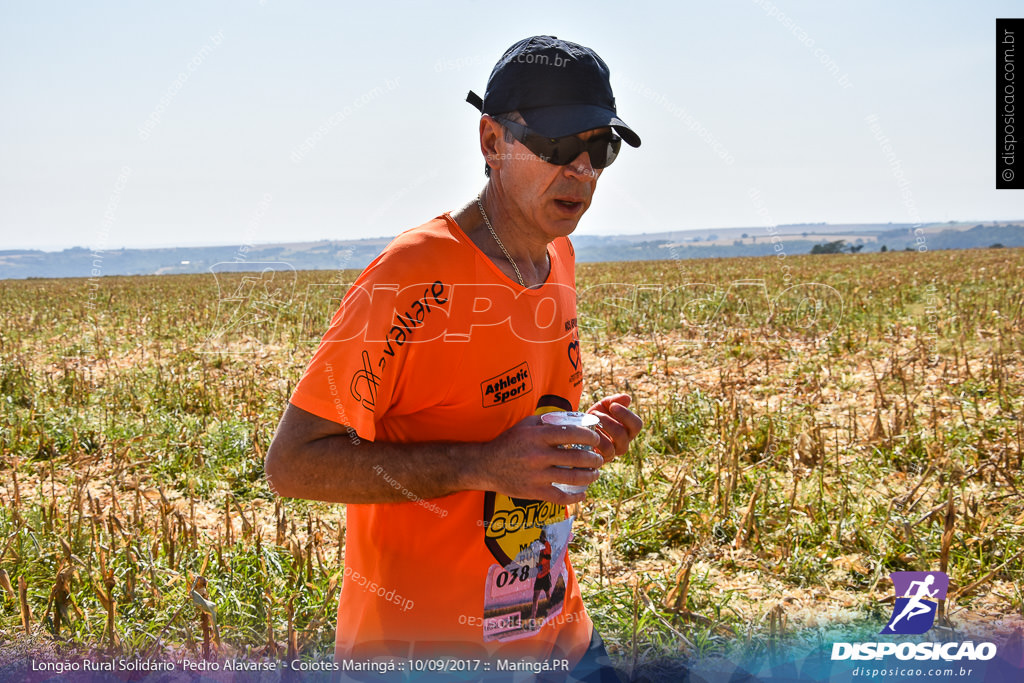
pixel 491 135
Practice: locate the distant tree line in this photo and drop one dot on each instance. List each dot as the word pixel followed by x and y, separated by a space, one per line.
pixel 837 247
pixel 978 237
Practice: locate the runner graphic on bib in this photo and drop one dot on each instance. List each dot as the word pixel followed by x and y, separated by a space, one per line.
pixel 529 540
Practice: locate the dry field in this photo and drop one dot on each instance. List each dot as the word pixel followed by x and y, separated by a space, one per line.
pixel 813 423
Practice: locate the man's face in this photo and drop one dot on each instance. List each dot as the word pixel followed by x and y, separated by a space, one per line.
pixel 551 198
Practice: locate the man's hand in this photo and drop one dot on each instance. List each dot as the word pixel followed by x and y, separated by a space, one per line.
pixel 619 425
pixel 526 459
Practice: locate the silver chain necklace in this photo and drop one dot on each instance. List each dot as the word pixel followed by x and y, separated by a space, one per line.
pixel 496 239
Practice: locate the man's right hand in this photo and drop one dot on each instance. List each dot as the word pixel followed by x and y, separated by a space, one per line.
pixel 525 460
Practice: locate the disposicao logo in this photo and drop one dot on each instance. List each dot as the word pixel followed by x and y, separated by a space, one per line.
pixel 917 596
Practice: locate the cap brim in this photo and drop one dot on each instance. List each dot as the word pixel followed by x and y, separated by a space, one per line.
pixel 572 119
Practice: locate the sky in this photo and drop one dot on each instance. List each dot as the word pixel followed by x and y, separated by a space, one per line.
pixel 128 124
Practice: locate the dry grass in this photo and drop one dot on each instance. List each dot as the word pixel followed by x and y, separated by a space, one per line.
pixel 806 436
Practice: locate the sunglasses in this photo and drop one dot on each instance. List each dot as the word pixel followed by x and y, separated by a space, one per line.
pixel 602 149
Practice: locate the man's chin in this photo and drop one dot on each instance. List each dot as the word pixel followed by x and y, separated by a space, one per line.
pixel 564 228
pixel 566 225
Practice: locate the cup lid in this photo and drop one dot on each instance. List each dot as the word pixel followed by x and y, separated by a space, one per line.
pixel 573 418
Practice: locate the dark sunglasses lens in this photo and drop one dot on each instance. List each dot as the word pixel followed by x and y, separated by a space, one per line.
pixel 562 151
pixel 602 150
pixel 557 151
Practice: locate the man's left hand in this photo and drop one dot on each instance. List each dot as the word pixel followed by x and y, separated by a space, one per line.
pixel 619 425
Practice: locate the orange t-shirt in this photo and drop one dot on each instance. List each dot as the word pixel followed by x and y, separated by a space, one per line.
pixel 434 343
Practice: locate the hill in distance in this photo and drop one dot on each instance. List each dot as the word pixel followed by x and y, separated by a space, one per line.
pixel 680 244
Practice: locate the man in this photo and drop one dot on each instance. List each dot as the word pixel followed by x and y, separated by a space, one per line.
pixel 542 583
pixel 420 409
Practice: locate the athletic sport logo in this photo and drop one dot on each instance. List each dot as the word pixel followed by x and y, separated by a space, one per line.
pixel 506 386
pixel 917 596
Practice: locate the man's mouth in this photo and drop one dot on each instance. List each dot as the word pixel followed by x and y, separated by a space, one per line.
pixel 569 205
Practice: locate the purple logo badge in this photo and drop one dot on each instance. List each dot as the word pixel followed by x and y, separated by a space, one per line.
pixel 917 596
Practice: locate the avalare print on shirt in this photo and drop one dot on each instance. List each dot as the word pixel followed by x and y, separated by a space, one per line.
pixel 365 382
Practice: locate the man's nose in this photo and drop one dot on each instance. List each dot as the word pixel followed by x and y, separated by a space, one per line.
pixel 581 167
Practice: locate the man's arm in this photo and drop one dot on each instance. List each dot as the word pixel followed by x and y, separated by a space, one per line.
pixel 318 459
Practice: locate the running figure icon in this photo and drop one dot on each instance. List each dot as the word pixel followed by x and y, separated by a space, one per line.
pixel 914 606
pixel 917 596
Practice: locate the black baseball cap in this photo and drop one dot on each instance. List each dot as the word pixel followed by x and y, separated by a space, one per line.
pixel 559 88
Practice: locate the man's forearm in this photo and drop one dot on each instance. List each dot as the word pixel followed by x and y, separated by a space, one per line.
pixel 335 470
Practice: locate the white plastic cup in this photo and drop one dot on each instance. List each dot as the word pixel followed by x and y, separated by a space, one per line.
pixel 573 419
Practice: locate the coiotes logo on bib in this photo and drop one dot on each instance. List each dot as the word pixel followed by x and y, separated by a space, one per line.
pixel 917 596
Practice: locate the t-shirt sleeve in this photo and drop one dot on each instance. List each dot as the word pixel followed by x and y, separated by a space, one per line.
pixel 343 382
pixel 353 378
